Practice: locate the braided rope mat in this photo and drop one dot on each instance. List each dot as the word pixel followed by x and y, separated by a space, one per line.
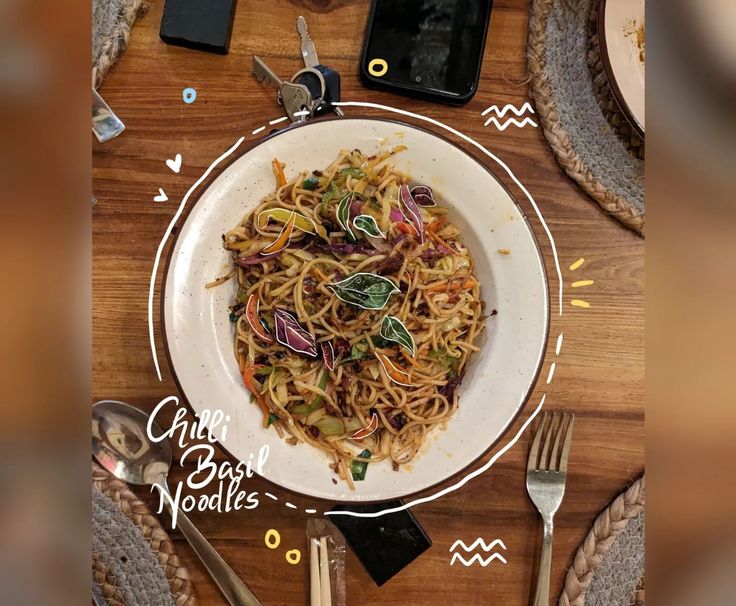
pixel 589 142
pixel 111 23
pixel 134 560
pixel 608 568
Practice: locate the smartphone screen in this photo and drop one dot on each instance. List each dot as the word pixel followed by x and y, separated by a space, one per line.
pixel 429 48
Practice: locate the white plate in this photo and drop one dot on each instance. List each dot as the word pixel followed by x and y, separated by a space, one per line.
pixel 199 334
pixel 620 27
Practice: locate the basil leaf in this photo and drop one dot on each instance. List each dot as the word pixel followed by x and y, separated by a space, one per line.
pixel 368 291
pixel 368 225
pixel 394 330
pixel 358 468
pixel 380 342
pixel 343 214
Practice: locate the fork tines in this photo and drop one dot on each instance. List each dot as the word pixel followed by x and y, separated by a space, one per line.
pixel 558 427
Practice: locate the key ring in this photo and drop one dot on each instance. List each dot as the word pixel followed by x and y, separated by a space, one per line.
pixel 303 77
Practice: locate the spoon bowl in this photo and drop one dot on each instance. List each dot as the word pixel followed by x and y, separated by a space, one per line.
pixel 121 444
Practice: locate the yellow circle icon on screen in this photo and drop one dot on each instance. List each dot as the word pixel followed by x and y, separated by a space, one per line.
pixel 377 67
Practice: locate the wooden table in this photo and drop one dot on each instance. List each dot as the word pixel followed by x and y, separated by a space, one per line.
pixel 599 374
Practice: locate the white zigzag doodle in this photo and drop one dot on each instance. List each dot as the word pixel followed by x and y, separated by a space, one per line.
pixel 503 126
pixel 477 558
pixel 509 107
pixel 476 543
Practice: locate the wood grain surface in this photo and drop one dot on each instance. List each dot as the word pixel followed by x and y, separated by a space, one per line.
pixel 599 373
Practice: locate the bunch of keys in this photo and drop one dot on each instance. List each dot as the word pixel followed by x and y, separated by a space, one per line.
pixel 312 90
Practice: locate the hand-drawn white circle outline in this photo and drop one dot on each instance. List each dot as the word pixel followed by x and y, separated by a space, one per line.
pixel 460 483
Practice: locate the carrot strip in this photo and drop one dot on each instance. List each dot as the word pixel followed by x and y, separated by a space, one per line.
pixel 395 374
pixel 278 172
pixel 283 238
pixel 447 285
pixel 435 225
pixel 406 228
pixel 249 381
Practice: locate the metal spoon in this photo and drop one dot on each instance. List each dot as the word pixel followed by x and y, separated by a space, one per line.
pixel 120 444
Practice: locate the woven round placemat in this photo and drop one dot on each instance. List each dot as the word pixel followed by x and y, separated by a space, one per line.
pixel 578 115
pixel 608 568
pixel 134 561
pixel 111 23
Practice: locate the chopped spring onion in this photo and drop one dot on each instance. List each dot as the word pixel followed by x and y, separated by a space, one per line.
pixel 305 409
pixel 358 468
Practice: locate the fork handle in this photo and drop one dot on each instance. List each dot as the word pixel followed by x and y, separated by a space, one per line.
pixel 541 596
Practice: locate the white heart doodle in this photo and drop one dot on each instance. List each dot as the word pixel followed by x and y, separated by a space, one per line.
pixel 162 197
pixel 174 164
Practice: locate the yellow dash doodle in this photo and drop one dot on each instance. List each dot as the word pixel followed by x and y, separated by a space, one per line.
pixel 580 303
pixel 580 283
pixel 577 264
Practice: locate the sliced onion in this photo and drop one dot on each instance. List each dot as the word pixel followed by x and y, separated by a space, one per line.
pixel 413 212
pixel 290 333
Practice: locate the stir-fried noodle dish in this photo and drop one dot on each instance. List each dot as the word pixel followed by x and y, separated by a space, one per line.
pixel 357 311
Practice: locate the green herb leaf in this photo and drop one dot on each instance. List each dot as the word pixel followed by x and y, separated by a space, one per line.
pixel 343 214
pixel 358 468
pixel 368 225
pixel 310 183
pixel 356 173
pixel 272 418
pixel 394 330
pixel 331 193
pixel 380 342
pixel 368 291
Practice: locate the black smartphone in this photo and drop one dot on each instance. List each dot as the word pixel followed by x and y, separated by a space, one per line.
pixel 386 544
pixel 430 49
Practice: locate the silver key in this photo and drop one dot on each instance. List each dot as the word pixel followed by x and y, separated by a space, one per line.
pixel 309 52
pixel 294 97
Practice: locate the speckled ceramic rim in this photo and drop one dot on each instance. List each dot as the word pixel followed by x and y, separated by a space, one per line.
pixel 608 68
pixel 542 356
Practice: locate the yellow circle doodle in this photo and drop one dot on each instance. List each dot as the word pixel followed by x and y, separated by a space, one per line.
pixel 273 538
pixel 377 67
pixel 293 556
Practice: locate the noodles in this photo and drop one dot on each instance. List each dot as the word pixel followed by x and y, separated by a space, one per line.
pixel 357 311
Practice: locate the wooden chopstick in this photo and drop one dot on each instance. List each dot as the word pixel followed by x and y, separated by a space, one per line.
pixel 316 597
pixel 324 573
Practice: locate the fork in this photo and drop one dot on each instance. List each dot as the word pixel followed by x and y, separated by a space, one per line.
pixel 545 483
